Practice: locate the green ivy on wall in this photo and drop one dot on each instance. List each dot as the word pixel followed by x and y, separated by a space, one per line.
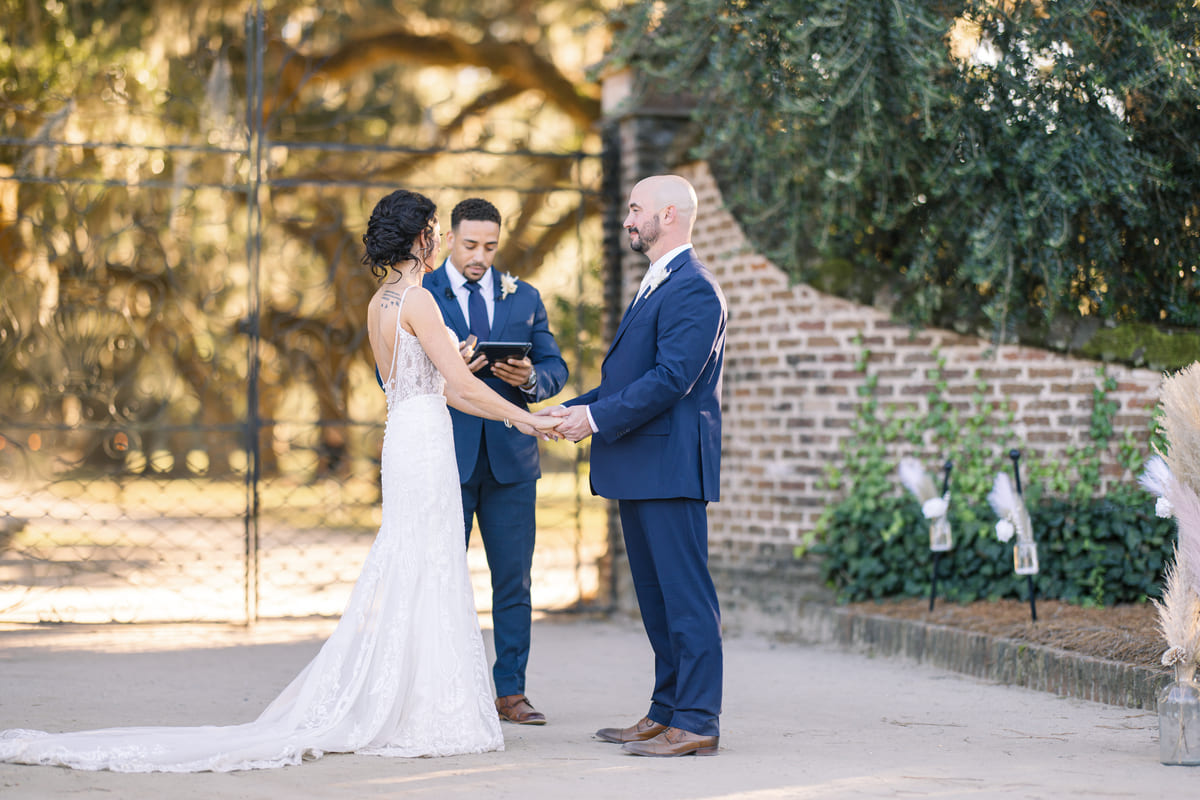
pixel 1095 548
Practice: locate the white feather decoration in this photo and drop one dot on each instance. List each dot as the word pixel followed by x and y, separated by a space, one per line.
pixel 935 507
pixel 1009 506
pixel 1156 476
pixel 1155 479
pixel 916 479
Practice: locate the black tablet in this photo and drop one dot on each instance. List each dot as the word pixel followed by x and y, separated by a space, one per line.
pixel 499 351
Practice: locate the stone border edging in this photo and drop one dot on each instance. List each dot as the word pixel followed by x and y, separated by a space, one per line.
pixel 1006 661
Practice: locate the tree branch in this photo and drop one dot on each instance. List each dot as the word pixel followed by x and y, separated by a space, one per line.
pixel 515 63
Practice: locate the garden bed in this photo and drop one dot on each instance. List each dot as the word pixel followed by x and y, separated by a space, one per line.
pixel 1124 633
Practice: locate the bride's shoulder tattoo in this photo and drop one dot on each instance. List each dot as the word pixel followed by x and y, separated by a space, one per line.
pixel 389 298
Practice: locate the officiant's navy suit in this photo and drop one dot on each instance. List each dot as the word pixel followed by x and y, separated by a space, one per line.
pixel 657 449
pixel 498 466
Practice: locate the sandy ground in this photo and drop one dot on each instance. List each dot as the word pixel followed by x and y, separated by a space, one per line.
pixel 800 721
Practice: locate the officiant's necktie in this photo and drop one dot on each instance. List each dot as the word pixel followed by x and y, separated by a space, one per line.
pixel 477 311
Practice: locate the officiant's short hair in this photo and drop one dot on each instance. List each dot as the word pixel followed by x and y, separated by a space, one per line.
pixel 475 209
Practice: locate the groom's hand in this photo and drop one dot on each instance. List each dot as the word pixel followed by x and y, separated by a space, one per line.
pixel 574 424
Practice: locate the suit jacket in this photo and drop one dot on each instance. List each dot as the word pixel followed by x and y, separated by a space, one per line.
pixel 520 317
pixel 658 405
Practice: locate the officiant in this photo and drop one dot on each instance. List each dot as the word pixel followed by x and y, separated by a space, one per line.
pixel 498 466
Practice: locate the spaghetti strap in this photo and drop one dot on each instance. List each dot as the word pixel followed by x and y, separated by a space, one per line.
pixel 396 335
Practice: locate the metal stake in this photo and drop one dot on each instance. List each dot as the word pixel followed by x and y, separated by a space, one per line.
pixel 937 553
pixel 1015 455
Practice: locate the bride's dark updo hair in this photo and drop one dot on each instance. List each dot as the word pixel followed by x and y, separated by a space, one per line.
pixel 395 224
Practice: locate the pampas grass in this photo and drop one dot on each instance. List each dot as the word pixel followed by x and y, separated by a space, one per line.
pixel 1181 425
pixel 1175 477
pixel 1179 622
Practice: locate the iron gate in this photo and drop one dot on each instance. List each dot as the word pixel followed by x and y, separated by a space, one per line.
pixel 189 426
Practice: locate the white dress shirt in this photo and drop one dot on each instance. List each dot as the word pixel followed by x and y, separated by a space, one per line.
pixel 658 270
pixel 655 272
pixel 458 282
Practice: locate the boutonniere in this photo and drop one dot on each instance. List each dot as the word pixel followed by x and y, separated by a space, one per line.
pixel 656 278
pixel 508 284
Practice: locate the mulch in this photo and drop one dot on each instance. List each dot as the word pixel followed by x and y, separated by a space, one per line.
pixel 1128 633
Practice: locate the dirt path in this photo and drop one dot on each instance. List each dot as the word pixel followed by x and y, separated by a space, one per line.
pixel 799 722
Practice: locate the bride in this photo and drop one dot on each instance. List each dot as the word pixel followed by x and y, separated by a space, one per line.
pixel 404 672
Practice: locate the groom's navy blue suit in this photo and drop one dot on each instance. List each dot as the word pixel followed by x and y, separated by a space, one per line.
pixel 498 467
pixel 657 449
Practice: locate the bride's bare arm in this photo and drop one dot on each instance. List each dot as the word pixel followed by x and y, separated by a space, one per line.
pixel 464 391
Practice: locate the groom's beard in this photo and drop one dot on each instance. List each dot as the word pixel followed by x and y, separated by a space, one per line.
pixel 645 241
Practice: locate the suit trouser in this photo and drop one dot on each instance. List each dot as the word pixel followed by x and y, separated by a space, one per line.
pixel 508 526
pixel 667 545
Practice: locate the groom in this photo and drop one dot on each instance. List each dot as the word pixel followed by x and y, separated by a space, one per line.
pixel 498 466
pixel 656 418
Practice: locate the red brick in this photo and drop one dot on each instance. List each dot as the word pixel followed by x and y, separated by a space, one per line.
pixel 1048 436
pixel 919 358
pixel 1048 405
pixel 1021 388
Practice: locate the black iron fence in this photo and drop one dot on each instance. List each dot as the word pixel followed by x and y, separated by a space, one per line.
pixel 189 423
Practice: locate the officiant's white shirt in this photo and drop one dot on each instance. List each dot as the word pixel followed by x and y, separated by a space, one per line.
pixel 458 282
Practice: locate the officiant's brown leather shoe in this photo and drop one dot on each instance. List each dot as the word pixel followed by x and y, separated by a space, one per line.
pixel 674 742
pixel 645 728
pixel 516 708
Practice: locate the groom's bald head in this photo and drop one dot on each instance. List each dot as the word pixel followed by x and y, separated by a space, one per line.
pixel 672 190
pixel 662 211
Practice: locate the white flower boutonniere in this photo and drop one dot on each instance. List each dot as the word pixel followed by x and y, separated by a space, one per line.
pixel 655 278
pixel 508 284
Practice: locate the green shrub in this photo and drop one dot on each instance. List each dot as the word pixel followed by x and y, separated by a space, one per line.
pixel 1094 553
pixel 1095 546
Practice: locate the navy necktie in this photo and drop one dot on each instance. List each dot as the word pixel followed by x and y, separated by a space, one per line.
pixel 477 311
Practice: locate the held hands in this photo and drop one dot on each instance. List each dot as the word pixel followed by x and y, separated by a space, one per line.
pixel 572 422
pixel 544 427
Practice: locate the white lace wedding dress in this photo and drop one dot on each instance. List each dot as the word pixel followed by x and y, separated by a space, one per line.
pixel 404 672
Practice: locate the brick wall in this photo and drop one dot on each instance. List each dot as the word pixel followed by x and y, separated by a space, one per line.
pixel 790 381
pixel 790 390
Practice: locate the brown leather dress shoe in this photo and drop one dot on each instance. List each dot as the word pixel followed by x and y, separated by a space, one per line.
pixel 645 728
pixel 516 708
pixel 674 742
